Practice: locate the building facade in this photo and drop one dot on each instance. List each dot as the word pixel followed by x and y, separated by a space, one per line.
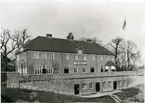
pixel 90 65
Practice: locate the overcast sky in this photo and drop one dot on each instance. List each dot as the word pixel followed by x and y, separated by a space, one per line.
pixel 84 18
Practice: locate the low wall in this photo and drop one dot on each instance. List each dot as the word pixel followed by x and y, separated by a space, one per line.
pixel 64 83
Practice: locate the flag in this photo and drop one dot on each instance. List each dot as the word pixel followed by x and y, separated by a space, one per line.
pixel 124 25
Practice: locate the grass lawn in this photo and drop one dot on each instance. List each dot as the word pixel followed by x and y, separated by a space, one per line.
pixel 13 94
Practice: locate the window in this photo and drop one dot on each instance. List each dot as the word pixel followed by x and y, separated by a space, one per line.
pixel 92 69
pixel 76 57
pixel 84 86
pixel 66 70
pixel 84 70
pixel 120 83
pixel 106 68
pixel 107 58
pixel 75 70
pixel 109 83
pixel 85 57
pixel 67 57
pixel 93 57
pixel 101 68
pixel 101 58
pixel 103 84
pixel 44 55
pixel 52 56
pixel 35 55
pixel 91 85
pixel 50 70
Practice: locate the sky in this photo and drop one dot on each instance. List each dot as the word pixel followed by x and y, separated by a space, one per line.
pixel 102 19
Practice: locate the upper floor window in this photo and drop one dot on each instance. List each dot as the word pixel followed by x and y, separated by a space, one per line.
pixel 85 57
pixel 84 86
pixel 93 57
pixel 76 57
pixel 102 69
pixel 44 55
pixel 101 58
pixel 52 56
pixel 92 69
pixel 75 70
pixel 67 57
pixel 107 58
pixel 35 55
pixel 84 70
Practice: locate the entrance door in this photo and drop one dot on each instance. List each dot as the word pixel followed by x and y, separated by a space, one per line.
pixel 44 71
pixel 98 87
pixel 115 85
pixel 76 89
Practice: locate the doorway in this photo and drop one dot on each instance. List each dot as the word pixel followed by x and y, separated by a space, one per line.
pixel 76 89
pixel 115 85
pixel 44 71
pixel 97 87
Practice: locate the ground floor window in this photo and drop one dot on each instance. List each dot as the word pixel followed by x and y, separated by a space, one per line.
pixel 66 70
pixel 91 85
pixel 84 70
pixel 75 70
pixel 92 70
pixel 84 86
pixel 101 68
pixel 109 83
pixel 103 84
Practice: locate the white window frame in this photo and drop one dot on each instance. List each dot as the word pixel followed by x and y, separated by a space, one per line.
pixel 101 58
pixel 52 56
pixel 35 55
pixel 67 56
pixel 84 86
pixel 85 57
pixel 76 57
pixel 91 85
pixel 44 55
pixel 93 57
pixel 85 70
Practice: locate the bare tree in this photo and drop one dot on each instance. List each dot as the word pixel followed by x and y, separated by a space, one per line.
pixel 20 37
pixel 92 40
pixel 8 45
pixel 132 55
pixel 11 41
pixel 116 46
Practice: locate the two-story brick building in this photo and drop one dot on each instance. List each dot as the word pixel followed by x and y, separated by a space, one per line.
pixel 55 56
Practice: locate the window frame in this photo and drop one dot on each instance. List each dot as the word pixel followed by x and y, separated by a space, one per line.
pixel 90 84
pixel 84 86
pixel 76 57
pixel 92 68
pixel 76 69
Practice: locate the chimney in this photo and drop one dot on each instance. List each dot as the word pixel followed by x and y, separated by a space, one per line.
pixel 70 36
pixel 49 35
